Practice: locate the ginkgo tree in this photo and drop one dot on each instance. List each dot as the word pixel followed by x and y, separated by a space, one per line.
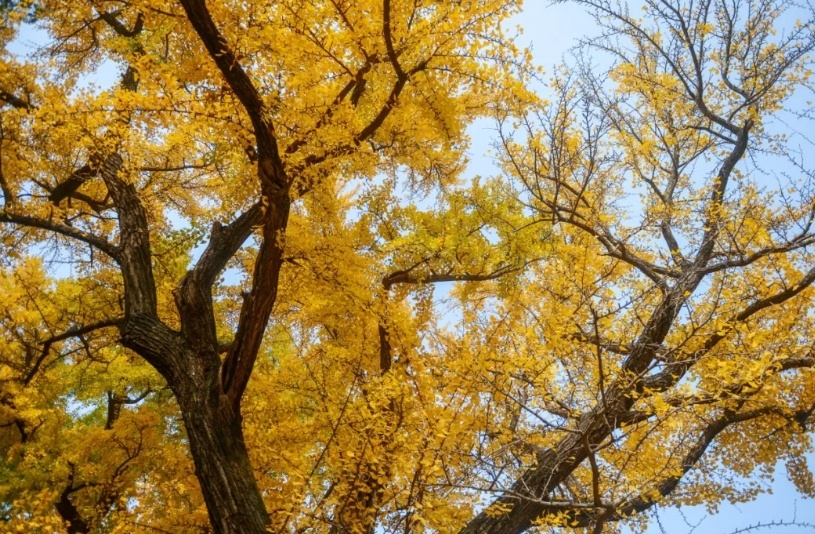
pixel 221 279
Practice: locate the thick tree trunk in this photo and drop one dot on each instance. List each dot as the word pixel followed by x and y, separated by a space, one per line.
pixel 212 421
pixel 222 466
pixel 73 519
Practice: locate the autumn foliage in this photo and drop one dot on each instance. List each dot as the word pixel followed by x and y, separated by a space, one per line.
pixel 251 284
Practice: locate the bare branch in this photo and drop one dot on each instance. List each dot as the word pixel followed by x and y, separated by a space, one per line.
pixel 72 332
pixel 194 293
pixel 408 277
pixel 14 100
pixel 270 165
pixel 676 369
pixel 62 229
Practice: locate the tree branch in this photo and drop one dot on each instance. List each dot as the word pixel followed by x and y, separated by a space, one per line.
pixel 258 303
pixel 675 370
pixel 223 244
pixel 194 293
pixel 65 230
pixel 67 510
pixel 408 277
pixel 713 208
pixel 274 182
pixel 618 511
pixel 270 166
pixel 67 188
pixel 134 238
pixel 72 332
pixel 14 100
pixel 800 242
pixel 121 29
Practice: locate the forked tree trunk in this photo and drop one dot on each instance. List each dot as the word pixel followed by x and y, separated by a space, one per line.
pixel 222 466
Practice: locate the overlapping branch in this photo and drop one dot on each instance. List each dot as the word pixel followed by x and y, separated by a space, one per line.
pixel 62 229
pixel 14 100
pixel 71 332
pixel 194 293
pixel 258 303
pixel 615 511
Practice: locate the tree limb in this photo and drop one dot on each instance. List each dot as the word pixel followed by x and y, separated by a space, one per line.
pixel 194 293
pixel 270 165
pixel 14 100
pixel 134 237
pixel 71 332
pixel 408 277
pixel 65 230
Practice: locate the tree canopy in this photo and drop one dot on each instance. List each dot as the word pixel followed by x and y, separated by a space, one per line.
pixel 253 286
